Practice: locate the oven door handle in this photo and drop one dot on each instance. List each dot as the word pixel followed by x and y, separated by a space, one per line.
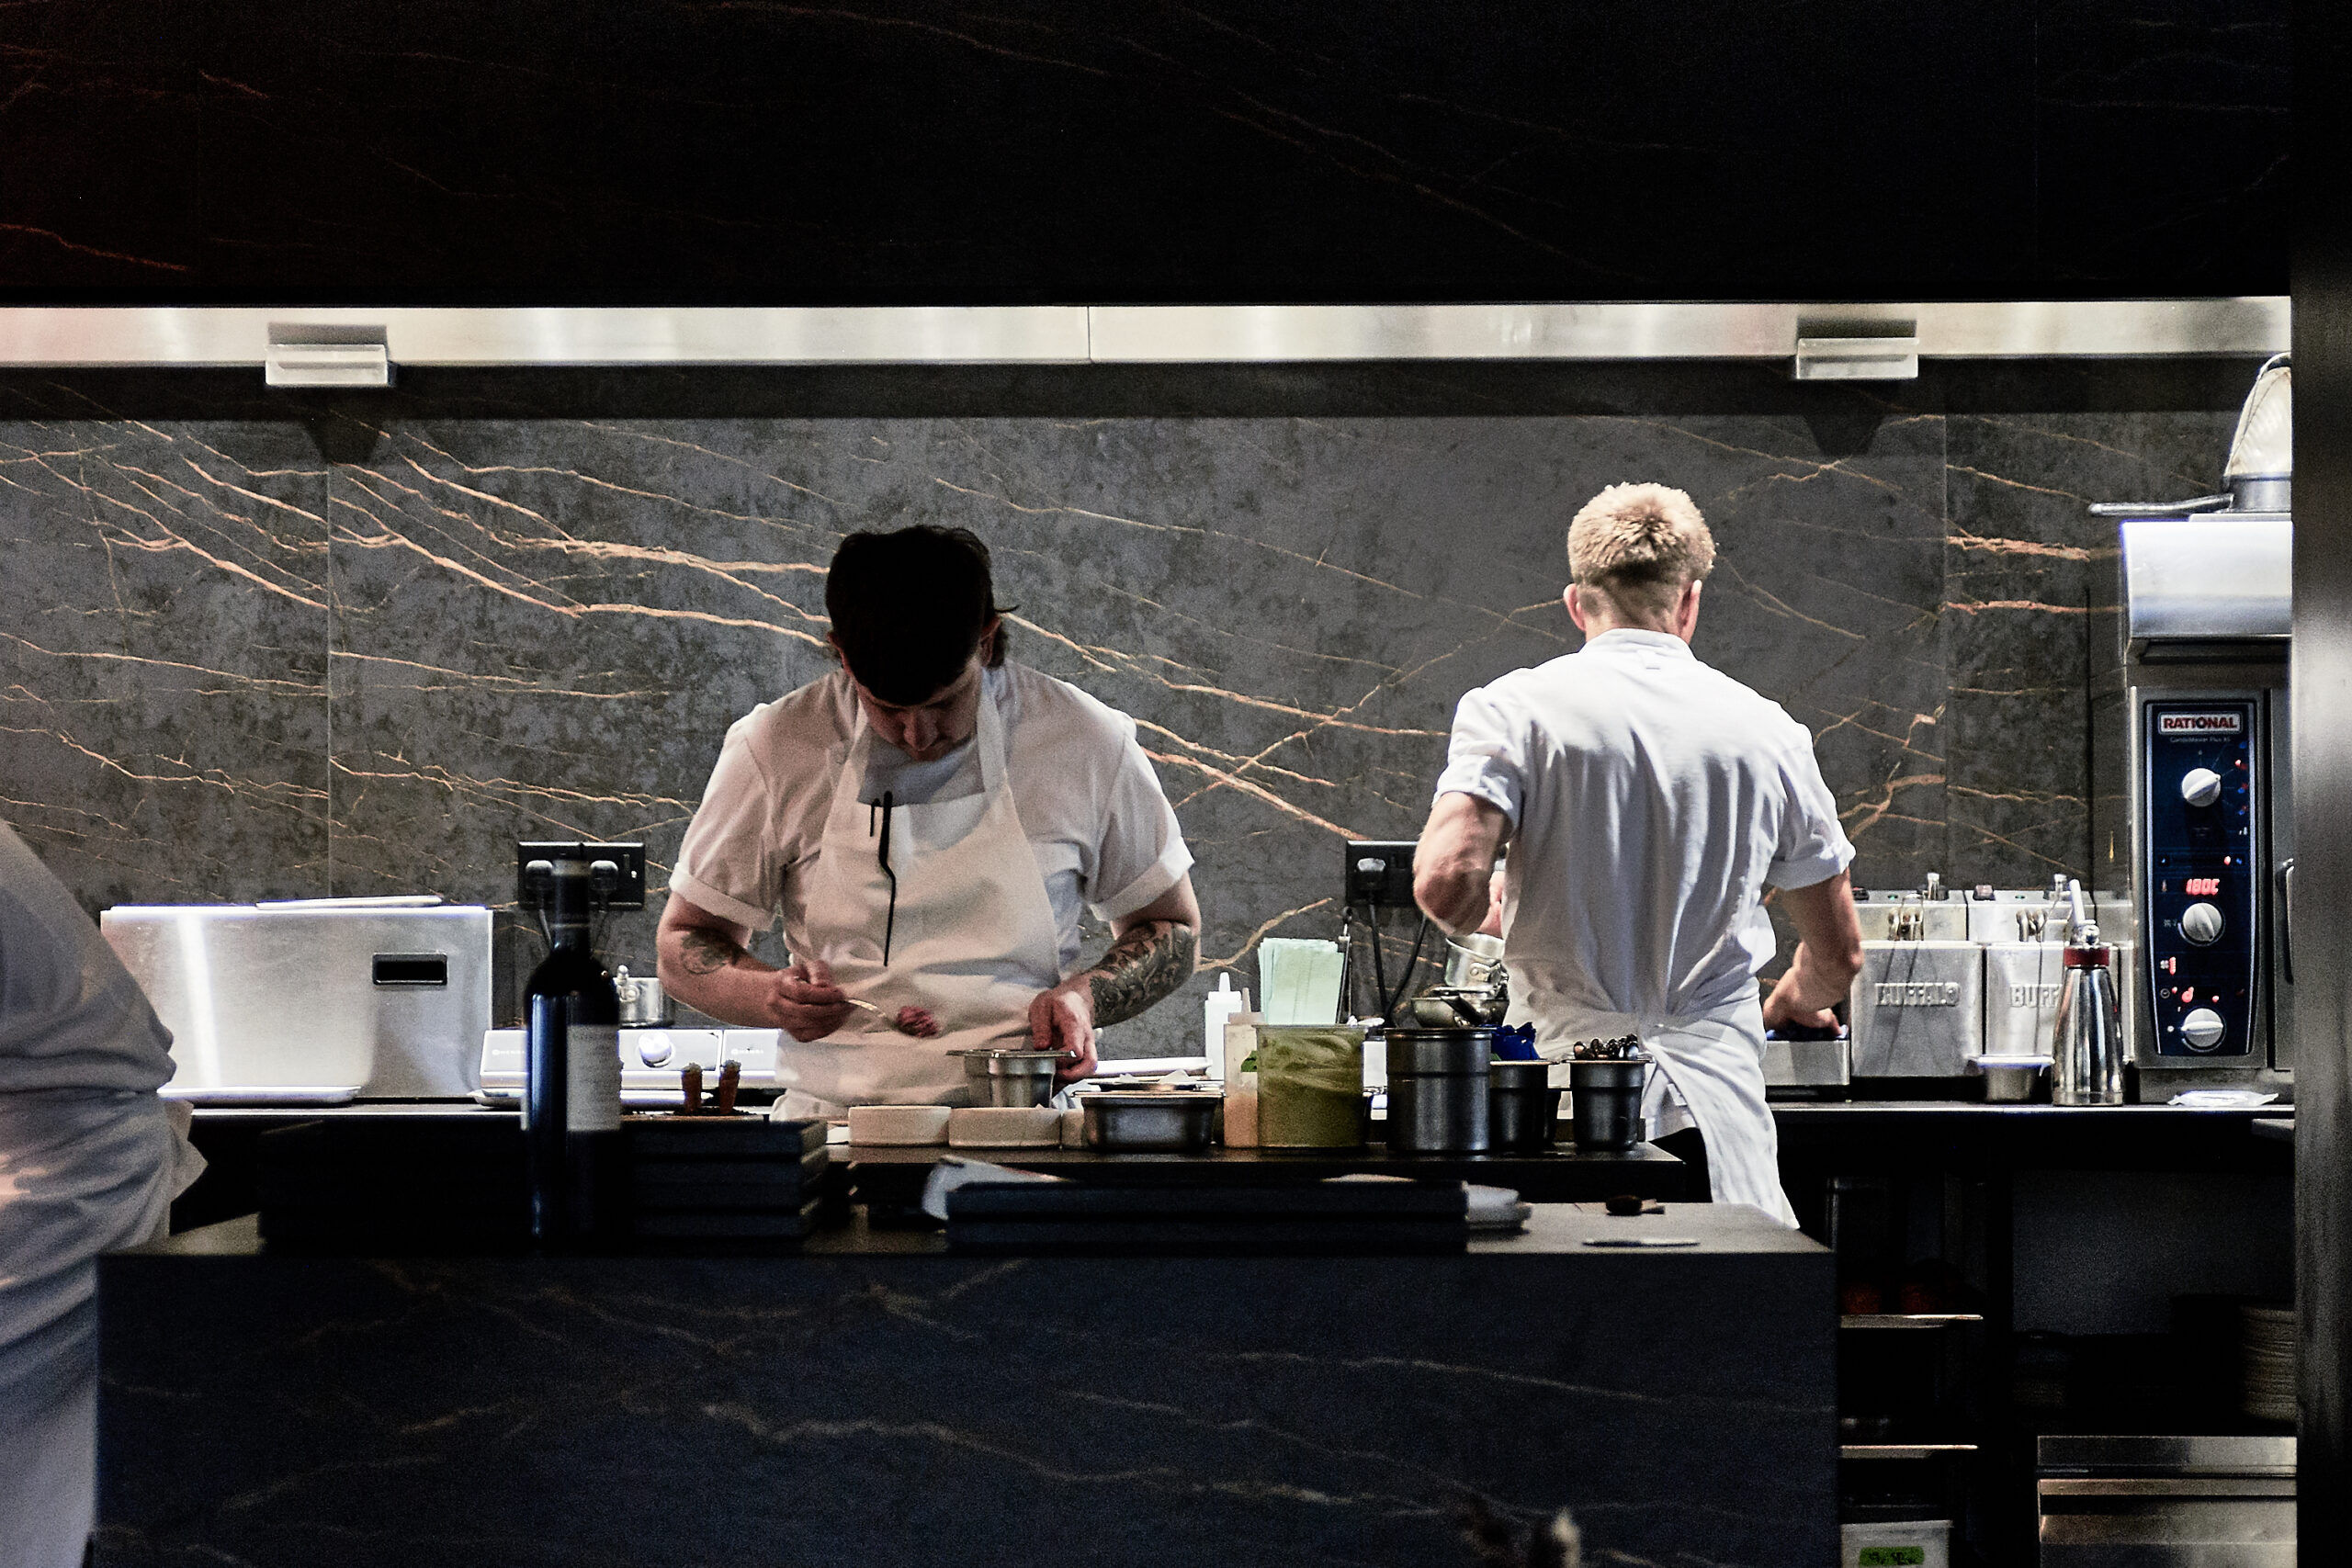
pixel 2286 919
pixel 2203 1487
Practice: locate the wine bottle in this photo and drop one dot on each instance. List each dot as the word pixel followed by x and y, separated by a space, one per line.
pixel 572 1103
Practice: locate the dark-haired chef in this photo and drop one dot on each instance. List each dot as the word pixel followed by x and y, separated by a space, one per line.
pixel 1649 802
pixel 929 822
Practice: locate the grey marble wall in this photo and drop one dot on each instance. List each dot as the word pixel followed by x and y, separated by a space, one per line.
pixel 255 646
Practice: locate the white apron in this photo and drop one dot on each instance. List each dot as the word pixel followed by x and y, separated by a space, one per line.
pixel 1715 1061
pixel 82 1171
pixel 973 943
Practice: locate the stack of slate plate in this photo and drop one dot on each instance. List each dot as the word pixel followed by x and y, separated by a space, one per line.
pixel 723 1178
pixel 1309 1219
pixel 461 1183
pixel 2267 1364
pixel 453 1184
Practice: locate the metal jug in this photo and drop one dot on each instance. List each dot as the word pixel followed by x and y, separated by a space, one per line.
pixel 2089 1039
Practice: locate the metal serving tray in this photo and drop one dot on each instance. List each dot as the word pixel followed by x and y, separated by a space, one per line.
pixel 1179 1122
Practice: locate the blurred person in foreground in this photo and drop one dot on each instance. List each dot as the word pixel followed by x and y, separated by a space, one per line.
pixel 90 1160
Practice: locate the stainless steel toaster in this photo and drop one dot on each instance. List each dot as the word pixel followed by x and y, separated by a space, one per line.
pixel 1929 912
pixel 2022 982
pixel 1918 1010
pixel 317 1001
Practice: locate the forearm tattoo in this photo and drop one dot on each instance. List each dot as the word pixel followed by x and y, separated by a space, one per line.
pixel 706 952
pixel 1142 966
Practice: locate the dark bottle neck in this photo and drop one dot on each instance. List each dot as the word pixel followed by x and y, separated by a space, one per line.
pixel 568 915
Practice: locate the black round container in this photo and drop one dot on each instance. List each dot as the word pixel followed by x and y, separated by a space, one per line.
pixel 1523 1106
pixel 1437 1090
pixel 1605 1102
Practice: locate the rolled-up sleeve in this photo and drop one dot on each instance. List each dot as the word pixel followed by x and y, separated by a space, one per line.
pixel 727 862
pixel 1486 755
pixel 1812 847
pixel 1141 852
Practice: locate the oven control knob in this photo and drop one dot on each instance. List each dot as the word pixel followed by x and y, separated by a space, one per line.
pixel 2202 1029
pixel 2201 923
pixel 2200 787
pixel 653 1048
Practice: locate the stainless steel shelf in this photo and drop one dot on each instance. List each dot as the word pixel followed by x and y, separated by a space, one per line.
pixel 1684 330
pixel 1133 334
pixel 1876 1320
pixel 1902 1450
pixel 237 336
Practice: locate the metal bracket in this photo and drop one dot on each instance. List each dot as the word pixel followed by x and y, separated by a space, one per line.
pixel 1859 351
pixel 311 354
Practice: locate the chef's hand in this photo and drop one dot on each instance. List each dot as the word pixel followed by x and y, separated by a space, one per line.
pixel 1783 1009
pixel 1063 1020
pixel 1496 889
pixel 804 1003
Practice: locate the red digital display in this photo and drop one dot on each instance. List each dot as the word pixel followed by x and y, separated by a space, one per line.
pixel 2202 887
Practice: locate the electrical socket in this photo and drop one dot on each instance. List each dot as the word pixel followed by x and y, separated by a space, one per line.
pixel 1380 872
pixel 627 894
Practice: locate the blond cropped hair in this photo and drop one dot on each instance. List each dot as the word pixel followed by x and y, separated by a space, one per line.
pixel 1639 545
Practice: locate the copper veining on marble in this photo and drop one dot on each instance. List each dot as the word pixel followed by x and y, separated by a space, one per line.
pixel 236 668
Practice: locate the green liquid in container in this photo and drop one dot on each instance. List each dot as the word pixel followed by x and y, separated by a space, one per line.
pixel 1310 1087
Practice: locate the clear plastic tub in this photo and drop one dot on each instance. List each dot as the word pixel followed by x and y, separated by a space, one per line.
pixel 1895 1543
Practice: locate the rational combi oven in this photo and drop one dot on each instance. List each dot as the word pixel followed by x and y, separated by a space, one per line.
pixel 2192 802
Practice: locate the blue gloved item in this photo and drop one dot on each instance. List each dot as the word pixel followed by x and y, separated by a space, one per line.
pixel 1515 1043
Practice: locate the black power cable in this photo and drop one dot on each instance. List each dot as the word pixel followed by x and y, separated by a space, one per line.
pixel 1412 962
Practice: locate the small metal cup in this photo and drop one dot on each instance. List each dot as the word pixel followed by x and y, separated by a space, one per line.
pixel 1523 1106
pixel 643 1005
pixel 1605 1102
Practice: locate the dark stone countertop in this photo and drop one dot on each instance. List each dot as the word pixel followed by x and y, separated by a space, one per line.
pixel 881 1401
pixel 1927 1133
pixel 229 1137
pixel 1562 1174
pixel 1888 1133
pixel 1783 1111
pixel 1554 1229
pixel 1787 1110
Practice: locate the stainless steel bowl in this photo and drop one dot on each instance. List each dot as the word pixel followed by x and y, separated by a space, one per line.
pixel 1180 1122
pixel 1473 963
pixel 1443 1006
pixel 2011 1080
pixel 1011 1076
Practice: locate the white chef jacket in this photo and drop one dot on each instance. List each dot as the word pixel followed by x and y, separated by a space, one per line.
pixel 1653 799
pixel 90 1160
pixel 1097 821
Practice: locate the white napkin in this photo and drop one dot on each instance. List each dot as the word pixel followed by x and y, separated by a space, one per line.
pixel 1490 1208
pixel 2220 1099
pixel 1495 1208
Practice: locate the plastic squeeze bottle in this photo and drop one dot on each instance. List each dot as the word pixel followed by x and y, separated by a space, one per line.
pixel 1216 1010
